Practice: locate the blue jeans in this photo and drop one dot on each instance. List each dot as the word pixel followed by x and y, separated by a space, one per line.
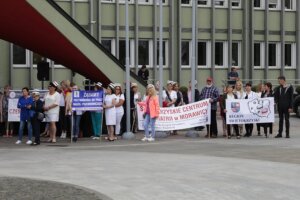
pixel 149 121
pixel 76 123
pixel 29 129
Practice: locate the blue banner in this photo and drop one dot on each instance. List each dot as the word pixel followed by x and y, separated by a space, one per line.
pixel 87 100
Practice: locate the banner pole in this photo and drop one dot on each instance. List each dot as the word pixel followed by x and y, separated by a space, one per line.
pixel 72 124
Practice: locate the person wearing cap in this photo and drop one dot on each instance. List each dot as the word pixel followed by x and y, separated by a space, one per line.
pixel 51 108
pixel 249 94
pixel 151 113
pixel 37 107
pixel 110 111
pixel 97 116
pixel 24 103
pixel 212 93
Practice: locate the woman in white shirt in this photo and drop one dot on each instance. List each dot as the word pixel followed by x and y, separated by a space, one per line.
pixel 110 111
pixel 169 95
pixel 137 98
pixel 120 99
pixel 51 108
pixel 240 93
pixel 249 94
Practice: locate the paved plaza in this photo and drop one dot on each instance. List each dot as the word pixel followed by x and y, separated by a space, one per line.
pixel 169 169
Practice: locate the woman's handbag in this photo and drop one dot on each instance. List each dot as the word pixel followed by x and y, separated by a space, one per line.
pixel 40 116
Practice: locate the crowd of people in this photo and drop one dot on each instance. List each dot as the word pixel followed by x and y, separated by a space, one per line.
pixel 56 109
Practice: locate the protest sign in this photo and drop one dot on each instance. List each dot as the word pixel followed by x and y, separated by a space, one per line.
pixel 248 111
pixel 87 100
pixel 176 118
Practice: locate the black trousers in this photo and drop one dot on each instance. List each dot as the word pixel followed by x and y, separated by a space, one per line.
pixel 235 127
pixel 36 129
pixel 266 126
pixel 284 114
pixel 249 129
pixel 212 129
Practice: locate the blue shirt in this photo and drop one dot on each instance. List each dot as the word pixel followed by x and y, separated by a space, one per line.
pixel 22 104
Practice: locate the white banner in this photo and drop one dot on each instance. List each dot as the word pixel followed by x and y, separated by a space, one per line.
pixel 176 118
pixel 248 111
pixel 13 110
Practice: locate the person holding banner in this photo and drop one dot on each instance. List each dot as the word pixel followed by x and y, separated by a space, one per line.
pixel 97 117
pixel 110 111
pixel 51 108
pixel 169 95
pixel 284 100
pixel 267 93
pixel 24 104
pixel 151 113
pixel 249 95
pixel 212 93
pixel 228 96
pixel 239 91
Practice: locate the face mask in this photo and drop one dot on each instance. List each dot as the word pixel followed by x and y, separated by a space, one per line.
pixel 208 86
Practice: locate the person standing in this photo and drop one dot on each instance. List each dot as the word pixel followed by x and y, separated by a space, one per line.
pixel 212 93
pixel 169 95
pixel 239 91
pixel 233 76
pixel 37 107
pixel 249 95
pixel 179 101
pixel 137 97
pixel 110 111
pixel 97 116
pixel 284 101
pixel 51 108
pixel 197 93
pixel 24 103
pixel 4 112
pixel 260 90
pixel 267 93
pixel 120 99
pixel 144 73
pixel 229 95
pixel 151 113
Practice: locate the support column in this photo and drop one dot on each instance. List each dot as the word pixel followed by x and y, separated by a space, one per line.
pixel 298 42
pixel 229 35
pixel 179 43
pixel 117 28
pixel 155 70
pixel 172 40
pixel 99 21
pixel 245 42
pixel 213 40
pixel 11 63
pixel 282 39
pixel 251 38
pixel 266 67
pixel 91 17
pixel 30 68
pixel 136 34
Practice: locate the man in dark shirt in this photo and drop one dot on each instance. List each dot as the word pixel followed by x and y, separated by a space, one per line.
pixel 284 101
pixel 143 73
pixel 232 76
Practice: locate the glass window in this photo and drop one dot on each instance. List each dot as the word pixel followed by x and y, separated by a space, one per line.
pixel 258 3
pixel 219 53
pixel 185 1
pixel 202 53
pixel 37 58
pixel 290 4
pixel 185 53
pixel 203 2
pixel 272 55
pixel 273 4
pixel 164 53
pixel 288 55
pixel 122 51
pixel 235 54
pixel 106 44
pixel 19 55
pixel 257 54
pixel 236 3
pixel 143 53
pixel 220 3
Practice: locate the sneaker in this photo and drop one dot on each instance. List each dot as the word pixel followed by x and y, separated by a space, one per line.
pixel 144 139
pixel 29 142
pixel 19 142
pixel 63 135
pixel 151 139
pixel 96 138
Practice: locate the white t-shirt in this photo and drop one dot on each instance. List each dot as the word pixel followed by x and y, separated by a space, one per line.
pixel 50 100
pixel 108 99
pixel 251 95
pixel 62 100
pixel 119 109
pixel 172 94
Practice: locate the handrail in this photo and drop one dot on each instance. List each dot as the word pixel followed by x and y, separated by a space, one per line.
pixel 92 39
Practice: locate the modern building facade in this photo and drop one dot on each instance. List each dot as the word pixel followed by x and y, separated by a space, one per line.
pixel 259 37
